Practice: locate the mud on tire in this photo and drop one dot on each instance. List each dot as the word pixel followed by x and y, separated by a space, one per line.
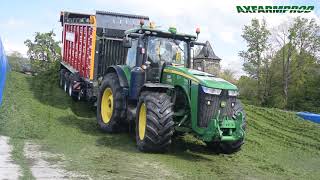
pixel 111 81
pixel 159 122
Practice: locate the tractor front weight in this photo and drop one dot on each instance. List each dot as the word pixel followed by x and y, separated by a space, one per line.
pixel 223 129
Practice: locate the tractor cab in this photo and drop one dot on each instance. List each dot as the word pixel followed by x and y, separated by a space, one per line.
pixel 163 51
pixel 150 50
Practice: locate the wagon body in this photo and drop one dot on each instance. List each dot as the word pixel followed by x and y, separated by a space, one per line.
pixel 91 43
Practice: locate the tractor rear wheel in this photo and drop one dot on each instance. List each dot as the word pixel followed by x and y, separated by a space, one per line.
pixel 154 122
pixel 111 105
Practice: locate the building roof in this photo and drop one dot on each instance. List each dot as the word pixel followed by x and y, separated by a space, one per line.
pixel 210 53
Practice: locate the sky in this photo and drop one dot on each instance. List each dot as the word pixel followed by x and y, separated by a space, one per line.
pixel 218 20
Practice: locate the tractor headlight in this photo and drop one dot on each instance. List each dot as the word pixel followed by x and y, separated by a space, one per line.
pixel 233 93
pixel 211 90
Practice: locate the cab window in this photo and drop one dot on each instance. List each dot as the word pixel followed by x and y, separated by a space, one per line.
pixel 132 54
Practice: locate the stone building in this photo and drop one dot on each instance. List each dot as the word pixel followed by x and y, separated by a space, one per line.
pixel 206 60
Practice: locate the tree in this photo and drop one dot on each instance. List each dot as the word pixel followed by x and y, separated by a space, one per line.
pixel 44 51
pixel 288 70
pixel 248 89
pixel 306 41
pixel 256 35
pixel 15 62
pixel 284 39
pixel 298 41
pixel 278 71
pixel 306 36
pixel 266 74
pixel 228 74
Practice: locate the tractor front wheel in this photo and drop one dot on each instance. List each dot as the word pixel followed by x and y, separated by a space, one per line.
pixel 231 147
pixel 154 122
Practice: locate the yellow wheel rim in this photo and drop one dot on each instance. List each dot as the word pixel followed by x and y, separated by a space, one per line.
pixel 107 105
pixel 142 121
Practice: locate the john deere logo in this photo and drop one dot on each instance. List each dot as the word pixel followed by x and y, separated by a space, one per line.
pixel 223 104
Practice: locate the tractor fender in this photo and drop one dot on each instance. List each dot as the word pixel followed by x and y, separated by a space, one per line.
pixel 156 87
pixel 121 75
pixel 185 92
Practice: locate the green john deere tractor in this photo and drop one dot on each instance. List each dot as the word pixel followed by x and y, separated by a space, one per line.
pixel 164 95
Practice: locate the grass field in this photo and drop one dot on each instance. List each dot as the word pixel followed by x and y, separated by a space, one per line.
pixel 278 144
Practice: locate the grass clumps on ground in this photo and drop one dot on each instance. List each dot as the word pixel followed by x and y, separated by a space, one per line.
pixel 278 145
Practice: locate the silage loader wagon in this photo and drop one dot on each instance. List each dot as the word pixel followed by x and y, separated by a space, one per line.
pixel 140 78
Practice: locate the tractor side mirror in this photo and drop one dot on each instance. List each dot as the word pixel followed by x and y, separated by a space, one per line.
pixel 127 42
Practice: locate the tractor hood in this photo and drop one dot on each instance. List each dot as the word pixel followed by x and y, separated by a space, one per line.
pixel 200 77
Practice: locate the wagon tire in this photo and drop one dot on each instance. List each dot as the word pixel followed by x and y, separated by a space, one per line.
pixel 62 78
pixel 66 82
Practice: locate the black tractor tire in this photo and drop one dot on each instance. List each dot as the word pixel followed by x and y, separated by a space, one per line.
pixel 230 147
pixel 214 146
pixel 117 104
pixel 157 124
pixel 178 134
pixel 62 78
